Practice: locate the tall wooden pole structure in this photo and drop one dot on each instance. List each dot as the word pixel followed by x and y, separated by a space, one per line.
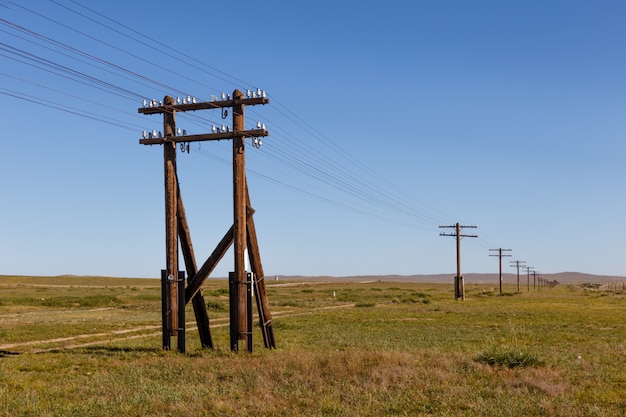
pixel 242 235
pixel 239 221
pixel 170 327
pixel 500 255
pixel 459 285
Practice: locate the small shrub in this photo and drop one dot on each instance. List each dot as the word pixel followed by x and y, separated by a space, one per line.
pixel 365 305
pixel 215 306
pixel 346 298
pixel 510 356
pixel 509 353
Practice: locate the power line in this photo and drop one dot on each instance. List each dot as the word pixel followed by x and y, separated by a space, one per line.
pixel 155 41
pixel 322 169
pixel 330 143
pixel 66 109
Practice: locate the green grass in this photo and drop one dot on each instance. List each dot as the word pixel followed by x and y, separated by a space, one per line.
pixel 344 349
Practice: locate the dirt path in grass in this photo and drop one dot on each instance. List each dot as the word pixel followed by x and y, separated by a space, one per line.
pixel 73 342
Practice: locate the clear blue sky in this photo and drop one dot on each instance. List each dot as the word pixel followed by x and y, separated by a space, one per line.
pixel 387 119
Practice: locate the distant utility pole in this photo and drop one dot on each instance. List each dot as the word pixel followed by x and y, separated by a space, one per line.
pixel 500 255
pixel 517 264
pixel 528 269
pixel 459 285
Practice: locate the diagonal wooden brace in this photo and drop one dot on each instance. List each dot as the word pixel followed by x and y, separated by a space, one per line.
pixel 203 273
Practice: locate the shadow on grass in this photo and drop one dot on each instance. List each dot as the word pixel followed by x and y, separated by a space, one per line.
pixel 106 350
pixel 5 353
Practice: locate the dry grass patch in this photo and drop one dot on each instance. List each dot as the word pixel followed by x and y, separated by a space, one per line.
pixel 546 381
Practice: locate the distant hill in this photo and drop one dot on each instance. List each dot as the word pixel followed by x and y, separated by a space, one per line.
pixel 472 278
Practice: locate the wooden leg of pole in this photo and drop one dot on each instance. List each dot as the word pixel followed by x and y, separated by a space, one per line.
pixel 202 320
pixel 233 288
pixel 249 341
pixel 165 310
pixel 258 277
pixel 199 305
pixel 462 284
pixel 181 312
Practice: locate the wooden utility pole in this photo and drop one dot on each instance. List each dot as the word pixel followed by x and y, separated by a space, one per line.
pixel 528 269
pixel 170 325
pixel 500 255
pixel 242 234
pixel 459 285
pixel 239 222
pixel 517 264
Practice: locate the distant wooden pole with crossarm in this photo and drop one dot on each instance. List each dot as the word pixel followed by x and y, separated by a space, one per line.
pixel 459 285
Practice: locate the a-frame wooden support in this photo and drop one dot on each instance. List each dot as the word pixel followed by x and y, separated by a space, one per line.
pixel 242 235
pixel 195 284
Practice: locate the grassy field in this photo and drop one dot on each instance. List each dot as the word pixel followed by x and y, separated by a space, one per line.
pixel 83 346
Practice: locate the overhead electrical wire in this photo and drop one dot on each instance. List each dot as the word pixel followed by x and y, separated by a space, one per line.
pixel 152 41
pixel 65 108
pixel 401 193
pixel 73 96
pixel 307 160
pixel 310 194
pixel 326 140
pixel 331 183
pixel 116 48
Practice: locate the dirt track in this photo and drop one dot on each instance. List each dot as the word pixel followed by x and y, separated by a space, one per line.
pixel 63 343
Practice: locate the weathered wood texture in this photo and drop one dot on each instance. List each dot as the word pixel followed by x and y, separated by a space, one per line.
pixel 239 215
pixel 260 293
pixel 171 232
pixel 195 284
pixel 242 234
pixel 199 305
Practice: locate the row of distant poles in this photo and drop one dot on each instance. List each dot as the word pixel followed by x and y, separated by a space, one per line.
pixel 459 283
pixel 243 284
